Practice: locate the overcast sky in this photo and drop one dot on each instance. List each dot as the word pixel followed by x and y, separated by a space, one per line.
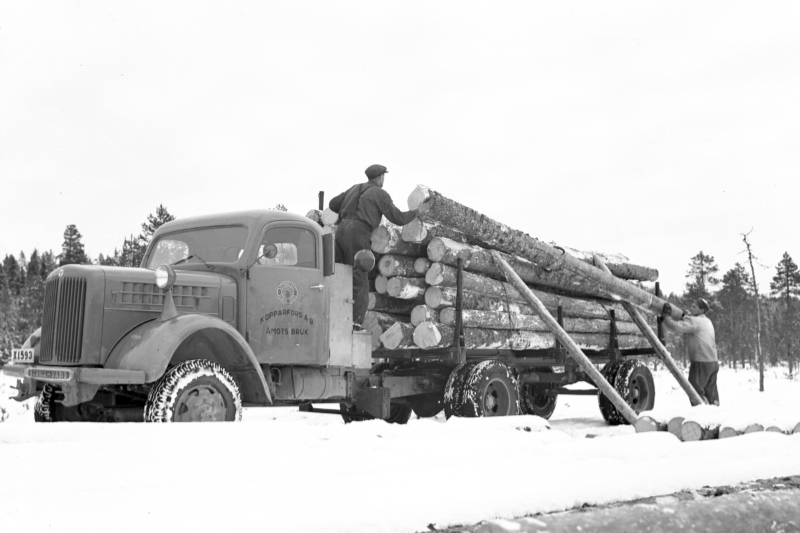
pixel 654 130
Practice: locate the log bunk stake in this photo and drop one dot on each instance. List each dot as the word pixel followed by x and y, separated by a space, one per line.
pixel 572 349
pixel 656 343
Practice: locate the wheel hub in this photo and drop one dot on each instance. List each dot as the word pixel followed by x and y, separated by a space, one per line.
pixel 200 404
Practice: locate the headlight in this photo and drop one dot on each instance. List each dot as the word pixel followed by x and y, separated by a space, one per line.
pixel 165 277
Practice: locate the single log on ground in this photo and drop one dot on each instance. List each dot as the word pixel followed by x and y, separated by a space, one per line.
pixel 423 313
pixel 421 265
pixel 398 265
pixel 424 232
pixel 385 239
pixel 674 426
pixel 380 284
pixel 775 429
pixel 693 431
pixel 441 275
pixel 399 336
pixel 728 431
pixel 796 428
pixel 514 242
pixel 479 260
pixel 406 288
pixel 376 323
pixel 329 217
pixel 754 428
pixel 498 320
pixel 386 304
pixel 645 424
pixel 431 335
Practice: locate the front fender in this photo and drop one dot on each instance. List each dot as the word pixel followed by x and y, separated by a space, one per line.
pixel 151 347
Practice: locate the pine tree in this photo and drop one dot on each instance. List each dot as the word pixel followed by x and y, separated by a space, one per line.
pixel 701 277
pixel 34 266
pixel 15 279
pixel 734 320
pixel 786 285
pixel 48 264
pixel 72 251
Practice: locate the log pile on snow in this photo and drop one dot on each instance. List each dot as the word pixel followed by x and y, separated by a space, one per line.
pixel 707 422
pixel 413 306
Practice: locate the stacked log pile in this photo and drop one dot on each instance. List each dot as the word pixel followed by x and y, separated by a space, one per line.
pixel 708 422
pixel 413 306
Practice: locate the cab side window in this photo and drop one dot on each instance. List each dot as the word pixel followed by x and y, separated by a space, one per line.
pixel 288 247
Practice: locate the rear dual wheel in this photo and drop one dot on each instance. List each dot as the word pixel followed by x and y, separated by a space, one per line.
pixel 633 381
pixel 481 389
pixel 533 398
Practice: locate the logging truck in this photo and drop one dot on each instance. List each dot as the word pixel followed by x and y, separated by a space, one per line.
pixel 250 309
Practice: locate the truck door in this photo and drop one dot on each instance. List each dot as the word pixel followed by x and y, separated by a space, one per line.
pixel 286 298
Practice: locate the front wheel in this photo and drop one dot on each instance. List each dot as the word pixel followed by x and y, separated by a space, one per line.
pixel 194 391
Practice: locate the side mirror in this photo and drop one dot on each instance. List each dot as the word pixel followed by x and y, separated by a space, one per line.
pixel 364 260
pixel 328 255
pixel 270 251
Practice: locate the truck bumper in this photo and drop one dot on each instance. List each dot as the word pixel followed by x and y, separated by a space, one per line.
pixel 90 376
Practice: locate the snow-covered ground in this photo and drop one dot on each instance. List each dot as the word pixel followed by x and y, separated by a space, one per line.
pixel 283 470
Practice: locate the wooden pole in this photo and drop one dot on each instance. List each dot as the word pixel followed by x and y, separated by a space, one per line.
pixel 566 341
pixel 660 349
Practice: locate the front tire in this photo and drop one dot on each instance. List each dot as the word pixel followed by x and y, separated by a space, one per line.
pixel 194 391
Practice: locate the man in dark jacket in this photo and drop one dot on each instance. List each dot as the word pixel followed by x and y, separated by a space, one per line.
pixel 698 333
pixel 360 210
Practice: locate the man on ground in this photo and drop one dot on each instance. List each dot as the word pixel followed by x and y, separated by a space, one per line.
pixel 698 334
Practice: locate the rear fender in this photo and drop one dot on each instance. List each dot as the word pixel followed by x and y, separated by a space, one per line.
pixel 152 346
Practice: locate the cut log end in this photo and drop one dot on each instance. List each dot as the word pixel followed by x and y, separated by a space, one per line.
pixel 421 265
pixel 414 231
pixel 727 432
pixel 329 217
pixel 693 431
pixel 380 284
pixel 646 424
pixel 754 428
pixel 417 196
pixel 674 426
pixel 427 335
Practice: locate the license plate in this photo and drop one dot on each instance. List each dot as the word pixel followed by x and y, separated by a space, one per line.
pixel 49 374
pixel 22 356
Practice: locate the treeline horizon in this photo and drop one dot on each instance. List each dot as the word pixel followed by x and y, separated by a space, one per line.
pixel 735 310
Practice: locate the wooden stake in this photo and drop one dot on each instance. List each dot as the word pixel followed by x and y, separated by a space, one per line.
pixel 660 349
pixel 572 348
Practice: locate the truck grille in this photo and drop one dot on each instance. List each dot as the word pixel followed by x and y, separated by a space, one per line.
pixel 62 324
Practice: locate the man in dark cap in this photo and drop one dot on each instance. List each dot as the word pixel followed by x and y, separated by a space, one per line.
pixel 698 333
pixel 360 210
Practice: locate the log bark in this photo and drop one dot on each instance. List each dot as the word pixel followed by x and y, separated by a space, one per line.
pixel 514 242
pixel 385 239
pixel 423 313
pixel 406 288
pixel 441 297
pixel 446 276
pixel 398 265
pixel 659 348
pixel 422 264
pixel 429 335
pixel 494 320
pixel 423 232
pixel 380 284
pixel 479 260
pixel 399 336
pixel 387 304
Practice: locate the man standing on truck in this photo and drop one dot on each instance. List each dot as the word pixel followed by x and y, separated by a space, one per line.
pixel 701 345
pixel 360 210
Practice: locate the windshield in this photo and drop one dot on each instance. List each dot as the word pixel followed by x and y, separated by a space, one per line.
pixel 223 244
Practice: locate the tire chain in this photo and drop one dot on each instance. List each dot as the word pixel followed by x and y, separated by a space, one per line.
pixel 157 408
pixel 469 403
pixel 607 409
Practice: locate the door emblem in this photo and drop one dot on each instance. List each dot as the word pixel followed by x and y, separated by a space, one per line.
pixel 287 292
